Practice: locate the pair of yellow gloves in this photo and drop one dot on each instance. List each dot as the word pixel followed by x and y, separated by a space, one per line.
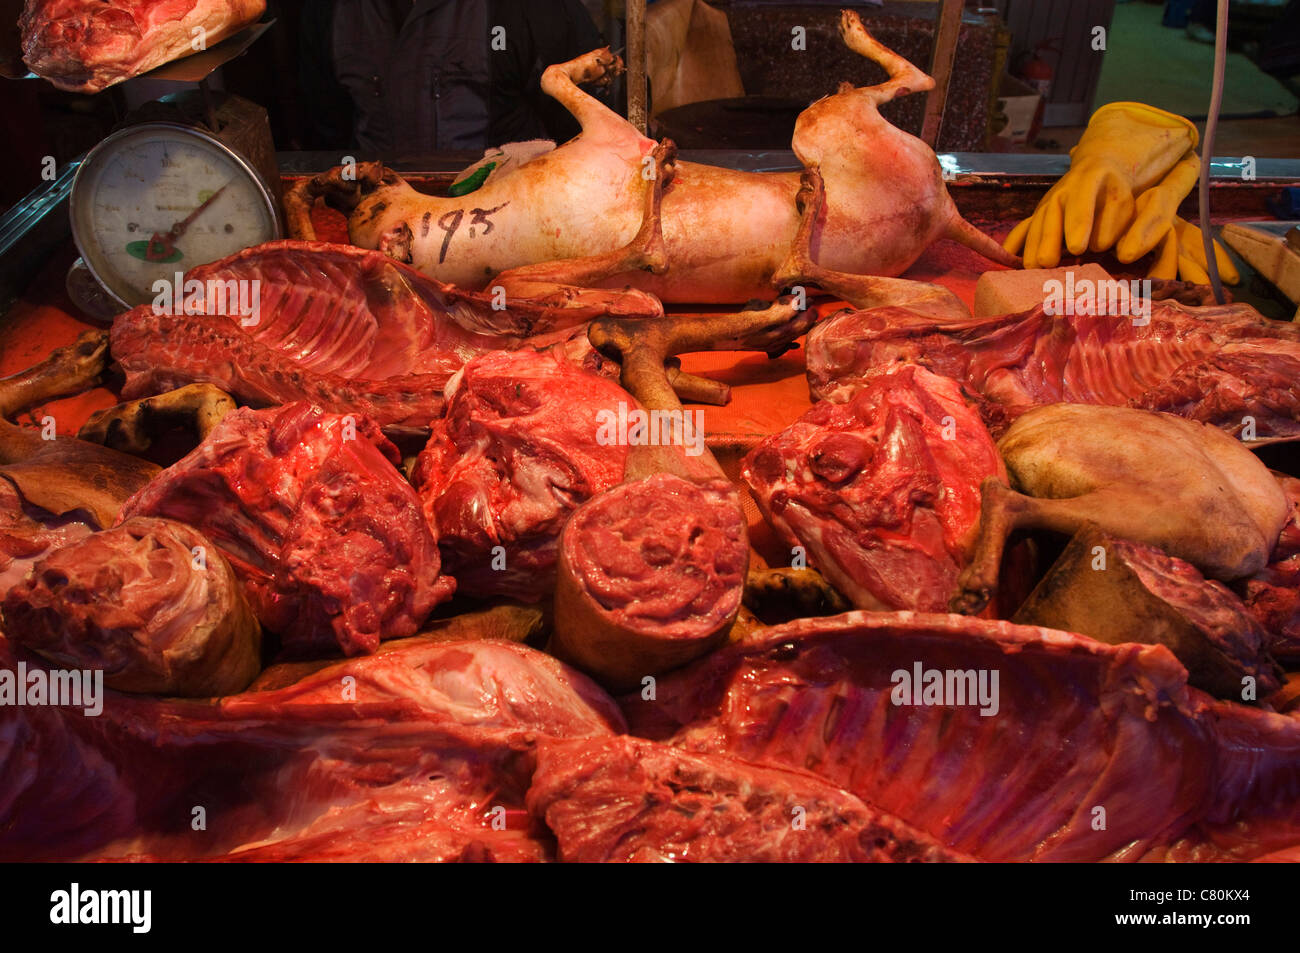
pixel 1130 171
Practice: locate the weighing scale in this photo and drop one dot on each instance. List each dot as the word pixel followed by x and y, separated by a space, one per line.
pixel 187 179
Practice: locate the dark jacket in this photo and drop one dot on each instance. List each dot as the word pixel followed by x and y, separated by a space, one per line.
pixel 395 78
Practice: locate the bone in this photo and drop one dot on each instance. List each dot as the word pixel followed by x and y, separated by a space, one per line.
pixel 134 426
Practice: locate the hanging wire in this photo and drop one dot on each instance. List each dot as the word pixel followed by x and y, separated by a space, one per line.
pixel 1207 149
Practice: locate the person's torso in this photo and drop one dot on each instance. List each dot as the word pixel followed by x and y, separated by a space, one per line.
pixel 419 83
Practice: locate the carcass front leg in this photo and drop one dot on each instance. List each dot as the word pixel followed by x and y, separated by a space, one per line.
pixel 67 371
pixel 342 190
pixel 1002 512
pixel 862 291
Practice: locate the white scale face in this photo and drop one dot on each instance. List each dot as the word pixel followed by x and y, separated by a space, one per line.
pixel 157 199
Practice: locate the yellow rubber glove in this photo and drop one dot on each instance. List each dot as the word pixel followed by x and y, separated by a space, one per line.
pixel 1156 209
pixel 1182 255
pixel 1126 149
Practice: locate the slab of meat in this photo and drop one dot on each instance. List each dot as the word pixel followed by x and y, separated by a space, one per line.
pixel 87 45
pixel 881 486
pixel 627 799
pixel 350 330
pixel 1273 593
pixel 1214 364
pixel 1071 726
pixel 1139 594
pixel 28 533
pixel 657 568
pixel 518 449
pixel 151 602
pixel 402 755
pixel 317 522
pixel 1255 809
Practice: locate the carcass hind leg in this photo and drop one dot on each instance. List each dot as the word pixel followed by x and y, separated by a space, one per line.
pixel 862 291
pixel 133 426
pixel 568 282
pixel 560 82
pixel 904 78
pixel 1002 512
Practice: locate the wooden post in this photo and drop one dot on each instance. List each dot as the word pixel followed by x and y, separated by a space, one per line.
pixel 945 52
pixel 636 81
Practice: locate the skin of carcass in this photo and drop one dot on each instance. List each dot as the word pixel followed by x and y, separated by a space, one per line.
pixel 1183 486
pixel 563 216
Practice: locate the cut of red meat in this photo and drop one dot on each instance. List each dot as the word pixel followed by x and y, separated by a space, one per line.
pixel 88 45
pixel 315 519
pixel 1213 364
pixel 626 799
pixel 1085 748
pixel 27 533
pixel 664 555
pixel 1273 593
pixel 404 754
pixel 517 451
pixel 651 576
pixel 345 328
pixel 152 603
pixel 881 486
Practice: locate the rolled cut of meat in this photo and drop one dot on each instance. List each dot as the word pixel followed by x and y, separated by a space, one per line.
pixel 87 45
pixel 651 574
pixel 151 602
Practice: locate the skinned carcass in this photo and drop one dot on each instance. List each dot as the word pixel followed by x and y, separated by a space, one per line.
pixel 413 754
pixel 563 217
pixel 519 448
pixel 1004 742
pixel 87 45
pixel 347 329
pixel 1225 365
pixel 881 487
pixel 317 522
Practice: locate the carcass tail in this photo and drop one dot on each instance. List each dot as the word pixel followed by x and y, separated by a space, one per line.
pixel 960 230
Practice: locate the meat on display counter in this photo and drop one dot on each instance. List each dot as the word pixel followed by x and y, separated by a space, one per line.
pixel 993 190
pixel 767 396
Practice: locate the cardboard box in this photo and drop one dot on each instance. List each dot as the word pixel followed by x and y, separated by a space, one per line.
pixel 1019 102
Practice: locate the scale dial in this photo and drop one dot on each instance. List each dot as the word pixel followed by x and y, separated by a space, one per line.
pixel 158 198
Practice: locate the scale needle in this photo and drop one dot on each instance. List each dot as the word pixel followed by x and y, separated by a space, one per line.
pixel 162 245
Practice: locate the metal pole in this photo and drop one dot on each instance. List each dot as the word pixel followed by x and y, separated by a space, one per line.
pixel 945 52
pixel 636 81
pixel 1207 146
